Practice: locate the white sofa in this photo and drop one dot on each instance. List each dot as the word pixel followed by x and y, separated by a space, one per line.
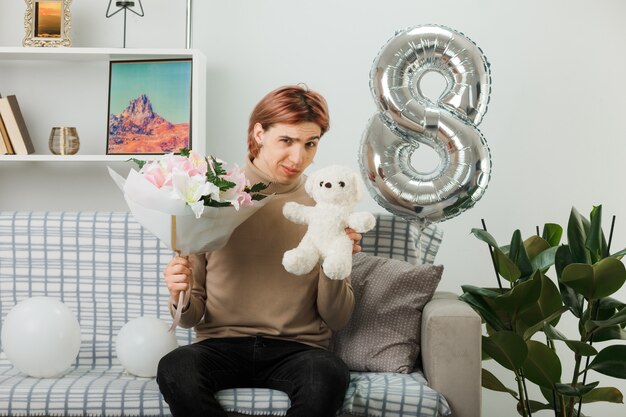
pixel 107 270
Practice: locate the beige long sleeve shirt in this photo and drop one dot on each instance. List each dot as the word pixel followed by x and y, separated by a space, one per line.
pixel 243 288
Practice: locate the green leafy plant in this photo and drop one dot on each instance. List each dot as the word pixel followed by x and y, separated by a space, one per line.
pixel 521 317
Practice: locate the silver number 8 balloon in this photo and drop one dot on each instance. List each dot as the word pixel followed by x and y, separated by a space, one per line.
pixel 407 119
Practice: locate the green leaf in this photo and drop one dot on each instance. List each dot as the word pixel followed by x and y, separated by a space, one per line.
pixel 528 333
pixel 545 259
pixel 548 394
pixel 520 297
pixel 505 266
pixel 140 163
pixel 581 348
pixel 620 254
pixel 506 348
pixel 552 233
pixel 184 152
pixel 258 197
pixel 517 254
pixel 609 333
pixel 534 245
pixel 571 299
pixel 618 318
pixel 542 365
pixel 490 381
pixel 214 175
pixel 485 237
pixel 534 407
pixel 608 394
pixel 577 390
pixel 610 306
pixel 486 312
pixel 610 275
pixel 595 243
pixel 216 167
pixel 611 361
pixel 576 346
pixel 548 302
pixel 562 258
pixel 577 230
pixel 579 277
pixel 483 292
pixel 595 281
pixel 258 187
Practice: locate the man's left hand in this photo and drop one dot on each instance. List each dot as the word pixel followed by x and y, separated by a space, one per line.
pixel 356 238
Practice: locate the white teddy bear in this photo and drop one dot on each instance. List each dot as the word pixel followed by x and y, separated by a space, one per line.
pixel 336 190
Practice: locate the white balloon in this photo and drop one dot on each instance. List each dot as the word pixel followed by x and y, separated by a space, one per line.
pixel 41 337
pixel 141 343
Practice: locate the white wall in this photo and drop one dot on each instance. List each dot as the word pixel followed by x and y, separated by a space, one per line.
pixel 554 123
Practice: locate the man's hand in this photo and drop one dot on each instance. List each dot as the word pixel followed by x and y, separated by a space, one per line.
pixel 177 276
pixel 356 238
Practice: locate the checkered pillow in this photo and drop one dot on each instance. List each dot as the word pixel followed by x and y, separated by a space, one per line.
pixel 396 238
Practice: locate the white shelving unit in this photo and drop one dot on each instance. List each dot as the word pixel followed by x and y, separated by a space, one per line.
pixel 63 66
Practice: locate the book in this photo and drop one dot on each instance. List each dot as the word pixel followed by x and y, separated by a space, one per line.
pixel 5 144
pixel 15 125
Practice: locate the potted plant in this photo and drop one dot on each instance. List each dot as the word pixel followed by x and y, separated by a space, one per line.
pixel 521 317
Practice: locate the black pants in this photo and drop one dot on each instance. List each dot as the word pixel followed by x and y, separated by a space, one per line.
pixel 315 380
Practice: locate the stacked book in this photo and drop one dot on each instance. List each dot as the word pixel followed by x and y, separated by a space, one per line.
pixel 14 137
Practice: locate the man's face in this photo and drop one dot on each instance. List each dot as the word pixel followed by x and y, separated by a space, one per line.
pixel 286 150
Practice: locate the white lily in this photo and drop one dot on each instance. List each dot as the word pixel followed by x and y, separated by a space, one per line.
pixel 192 189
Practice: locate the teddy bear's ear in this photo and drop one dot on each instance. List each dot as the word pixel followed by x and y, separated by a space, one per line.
pixel 309 183
pixel 359 186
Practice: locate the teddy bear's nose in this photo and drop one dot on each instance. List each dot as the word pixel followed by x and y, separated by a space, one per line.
pixel 328 185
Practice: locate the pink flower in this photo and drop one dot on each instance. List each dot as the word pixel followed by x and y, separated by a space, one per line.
pixel 157 174
pixel 186 178
pixel 237 195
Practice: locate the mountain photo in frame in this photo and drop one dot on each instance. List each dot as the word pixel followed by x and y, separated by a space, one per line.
pixel 149 109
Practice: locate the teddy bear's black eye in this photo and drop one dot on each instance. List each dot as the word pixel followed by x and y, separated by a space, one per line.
pixel 321 183
pixel 342 184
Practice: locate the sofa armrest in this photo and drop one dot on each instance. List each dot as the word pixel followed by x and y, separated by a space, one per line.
pixel 451 352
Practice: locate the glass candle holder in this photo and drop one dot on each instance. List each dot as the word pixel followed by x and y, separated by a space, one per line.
pixel 63 141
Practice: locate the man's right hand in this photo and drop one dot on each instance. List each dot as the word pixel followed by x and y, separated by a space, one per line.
pixel 177 276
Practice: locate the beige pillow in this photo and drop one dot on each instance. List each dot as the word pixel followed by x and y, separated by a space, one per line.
pixel 383 334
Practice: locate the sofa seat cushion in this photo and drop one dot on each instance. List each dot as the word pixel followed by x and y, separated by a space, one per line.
pixel 109 391
pixel 82 391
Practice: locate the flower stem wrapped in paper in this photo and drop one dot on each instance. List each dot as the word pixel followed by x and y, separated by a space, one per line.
pixel 190 202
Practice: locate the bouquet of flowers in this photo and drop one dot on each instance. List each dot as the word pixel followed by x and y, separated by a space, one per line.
pixel 192 203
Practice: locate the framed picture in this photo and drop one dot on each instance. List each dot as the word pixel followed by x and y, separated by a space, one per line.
pixel 47 23
pixel 149 107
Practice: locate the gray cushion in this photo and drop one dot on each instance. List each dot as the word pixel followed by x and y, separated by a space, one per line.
pixel 383 334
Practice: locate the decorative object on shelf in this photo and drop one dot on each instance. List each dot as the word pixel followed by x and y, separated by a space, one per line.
pixel 188 24
pixel 407 119
pixel 149 106
pixel 64 141
pixel 526 311
pixel 41 337
pixel 47 23
pixel 6 148
pixel 15 126
pixel 125 6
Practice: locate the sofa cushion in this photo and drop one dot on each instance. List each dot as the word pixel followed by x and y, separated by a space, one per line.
pixel 109 391
pixel 396 238
pixel 383 333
